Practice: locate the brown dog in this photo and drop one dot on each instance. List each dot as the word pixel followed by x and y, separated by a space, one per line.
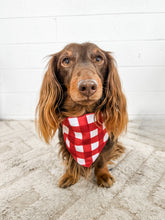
pixel 83 79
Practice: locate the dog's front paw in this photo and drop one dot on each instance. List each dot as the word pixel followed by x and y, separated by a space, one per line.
pixel 67 180
pixel 105 180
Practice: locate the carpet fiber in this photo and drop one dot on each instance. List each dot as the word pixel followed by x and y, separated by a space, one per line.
pixel 30 170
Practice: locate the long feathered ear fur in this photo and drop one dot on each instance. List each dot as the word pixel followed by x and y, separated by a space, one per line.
pixel 114 106
pixel 47 111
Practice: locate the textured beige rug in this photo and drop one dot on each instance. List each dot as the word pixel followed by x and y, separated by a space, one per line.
pixel 30 170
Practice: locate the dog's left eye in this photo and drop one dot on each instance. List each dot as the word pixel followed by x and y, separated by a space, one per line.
pixel 66 61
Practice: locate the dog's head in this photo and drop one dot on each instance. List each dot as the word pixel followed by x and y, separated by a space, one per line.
pixel 81 78
pixel 81 68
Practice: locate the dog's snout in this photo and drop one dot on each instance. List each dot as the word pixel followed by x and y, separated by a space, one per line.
pixel 87 87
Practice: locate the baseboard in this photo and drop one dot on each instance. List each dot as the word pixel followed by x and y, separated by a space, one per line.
pixel 131 117
pixel 146 117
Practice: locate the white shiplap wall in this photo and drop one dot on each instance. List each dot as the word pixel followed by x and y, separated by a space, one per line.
pixel 133 30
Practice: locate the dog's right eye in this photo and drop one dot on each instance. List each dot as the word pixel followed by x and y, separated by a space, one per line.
pixel 66 61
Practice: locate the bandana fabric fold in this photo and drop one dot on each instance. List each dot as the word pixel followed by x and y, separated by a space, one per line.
pixel 84 138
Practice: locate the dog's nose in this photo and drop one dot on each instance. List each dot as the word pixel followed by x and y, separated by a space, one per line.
pixel 87 87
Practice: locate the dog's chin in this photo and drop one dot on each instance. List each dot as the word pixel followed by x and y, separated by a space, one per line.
pixel 86 102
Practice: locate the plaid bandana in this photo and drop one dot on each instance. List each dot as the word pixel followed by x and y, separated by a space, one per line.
pixel 84 138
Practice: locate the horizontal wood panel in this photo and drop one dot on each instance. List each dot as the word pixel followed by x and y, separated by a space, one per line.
pixel 22 105
pixel 21 80
pixel 26 56
pixel 28 30
pixel 141 79
pixel 83 28
pixel 18 105
pixel 111 27
pixel 139 53
pixel 133 79
pixel 19 8
pixel 140 103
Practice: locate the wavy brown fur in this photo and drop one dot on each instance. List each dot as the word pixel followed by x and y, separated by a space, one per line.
pixel 115 111
pixel 56 103
pixel 47 108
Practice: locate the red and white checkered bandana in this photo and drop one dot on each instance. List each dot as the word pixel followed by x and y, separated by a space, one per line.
pixel 84 138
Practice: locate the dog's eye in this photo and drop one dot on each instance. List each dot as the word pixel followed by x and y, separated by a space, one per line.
pixel 98 59
pixel 66 61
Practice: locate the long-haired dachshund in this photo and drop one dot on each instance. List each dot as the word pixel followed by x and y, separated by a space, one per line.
pixel 81 95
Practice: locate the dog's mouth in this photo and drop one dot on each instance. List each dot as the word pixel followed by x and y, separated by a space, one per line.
pixel 87 101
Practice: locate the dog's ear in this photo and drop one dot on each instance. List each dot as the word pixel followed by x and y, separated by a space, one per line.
pixel 115 106
pixel 47 111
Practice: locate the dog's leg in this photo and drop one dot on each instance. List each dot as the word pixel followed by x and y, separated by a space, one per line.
pixel 72 174
pixel 67 180
pixel 103 177
pixel 116 151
